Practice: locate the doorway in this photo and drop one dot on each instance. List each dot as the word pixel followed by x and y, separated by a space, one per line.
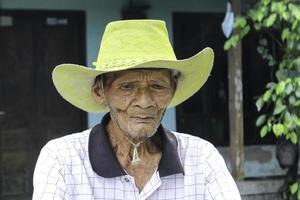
pixel 32 43
pixel 206 114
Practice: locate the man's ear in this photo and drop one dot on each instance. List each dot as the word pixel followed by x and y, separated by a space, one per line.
pixel 98 94
pixel 174 84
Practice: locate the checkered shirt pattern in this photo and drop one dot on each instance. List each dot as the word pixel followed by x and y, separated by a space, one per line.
pixel 63 171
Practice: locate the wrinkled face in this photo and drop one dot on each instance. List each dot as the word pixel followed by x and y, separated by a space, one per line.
pixel 137 100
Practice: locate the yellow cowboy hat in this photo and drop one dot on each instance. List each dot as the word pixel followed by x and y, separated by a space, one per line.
pixel 132 44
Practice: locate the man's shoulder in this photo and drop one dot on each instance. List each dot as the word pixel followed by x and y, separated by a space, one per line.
pixel 69 142
pixel 73 137
pixel 184 137
pixel 192 143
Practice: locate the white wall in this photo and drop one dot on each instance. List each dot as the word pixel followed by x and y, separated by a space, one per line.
pixel 100 12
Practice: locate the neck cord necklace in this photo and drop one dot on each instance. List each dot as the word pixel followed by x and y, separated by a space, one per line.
pixel 135 154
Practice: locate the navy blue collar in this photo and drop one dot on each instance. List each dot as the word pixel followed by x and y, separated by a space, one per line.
pixel 105 163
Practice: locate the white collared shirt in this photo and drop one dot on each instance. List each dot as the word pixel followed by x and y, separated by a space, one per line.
pixel 64 171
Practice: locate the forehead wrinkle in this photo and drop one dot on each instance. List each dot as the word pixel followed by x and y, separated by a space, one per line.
pixel 136 75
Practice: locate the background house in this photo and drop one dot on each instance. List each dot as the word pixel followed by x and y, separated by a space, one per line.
pixel 35 35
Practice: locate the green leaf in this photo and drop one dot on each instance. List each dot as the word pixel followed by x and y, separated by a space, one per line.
pixel 282 65
pixel 245 31
pixel 288 80
pixel 286 129
pixel 287 116
pixel 259 14
pixel 231 42
pixel 281 74
pixel 296 61
pixel 298 45
pixel 289 88
pixel 278 7
pixel 260 120
pixel 263 131
pixel 298 194
pixel 294 188
pixel 271 85
pixel 296 103
pixel 263 51
pixel 296 120
pixel 274 97
pixel 280 87
pixel 259 104
pixel 269 123
pixel 240 21
pixel 292 99
pixel 270 20
pixel 257 26
pixel 227 45
pixel 288 121
pixel 278 129
pixel 279 107
pixel 287 125
pixel 285 33
pixel 263 42
pixel 294 24
pixel 297 93
pixel 266 2
pixel 271 62
pixel 260 49
pixel 294 138
pixel 295 10
pixel 290 44
pixel 285 15
pixel 266 96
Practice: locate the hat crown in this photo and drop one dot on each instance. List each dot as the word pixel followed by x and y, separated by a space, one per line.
pixel 131 42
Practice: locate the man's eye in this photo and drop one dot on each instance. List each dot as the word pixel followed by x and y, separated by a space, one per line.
pixel 157 86
pixel 126 86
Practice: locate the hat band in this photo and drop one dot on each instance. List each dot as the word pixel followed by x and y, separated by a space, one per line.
pixel 123 63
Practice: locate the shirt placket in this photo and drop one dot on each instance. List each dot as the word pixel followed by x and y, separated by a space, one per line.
pixel 130 189
pixel 153 184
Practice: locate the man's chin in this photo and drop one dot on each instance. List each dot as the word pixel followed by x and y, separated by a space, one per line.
pixel 142 132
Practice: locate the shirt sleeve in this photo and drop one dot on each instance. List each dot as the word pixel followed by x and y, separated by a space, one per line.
pixel 219 182
pixel 48 178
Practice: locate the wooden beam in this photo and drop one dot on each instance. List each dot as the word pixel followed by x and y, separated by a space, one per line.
pixel 236 104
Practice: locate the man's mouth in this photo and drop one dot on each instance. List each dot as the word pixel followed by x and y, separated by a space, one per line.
pixel 142 118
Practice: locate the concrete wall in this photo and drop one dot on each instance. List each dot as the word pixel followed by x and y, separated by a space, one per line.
pixel 100 12
pixel 260 161
pixel 260 189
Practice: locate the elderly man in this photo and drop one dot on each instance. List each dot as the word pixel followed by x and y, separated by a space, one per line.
pixel 129 155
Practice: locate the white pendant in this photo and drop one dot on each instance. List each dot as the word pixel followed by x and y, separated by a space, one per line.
pixel 135 157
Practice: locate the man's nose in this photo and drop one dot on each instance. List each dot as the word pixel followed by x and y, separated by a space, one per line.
pixel 144 98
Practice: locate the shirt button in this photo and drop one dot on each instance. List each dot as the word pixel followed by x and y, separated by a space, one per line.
pixel 126 179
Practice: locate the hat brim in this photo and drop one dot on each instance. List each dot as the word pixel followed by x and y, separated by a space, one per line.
pixel 74 82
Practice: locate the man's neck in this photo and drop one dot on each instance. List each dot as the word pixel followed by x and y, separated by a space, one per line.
pixel 121 145
pixel 148 152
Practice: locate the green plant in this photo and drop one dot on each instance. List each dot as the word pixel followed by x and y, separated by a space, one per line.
pixel 295 190
pixel 278 21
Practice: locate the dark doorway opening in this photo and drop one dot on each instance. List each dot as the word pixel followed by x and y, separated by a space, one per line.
pixel 32 43
pixel 206 114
